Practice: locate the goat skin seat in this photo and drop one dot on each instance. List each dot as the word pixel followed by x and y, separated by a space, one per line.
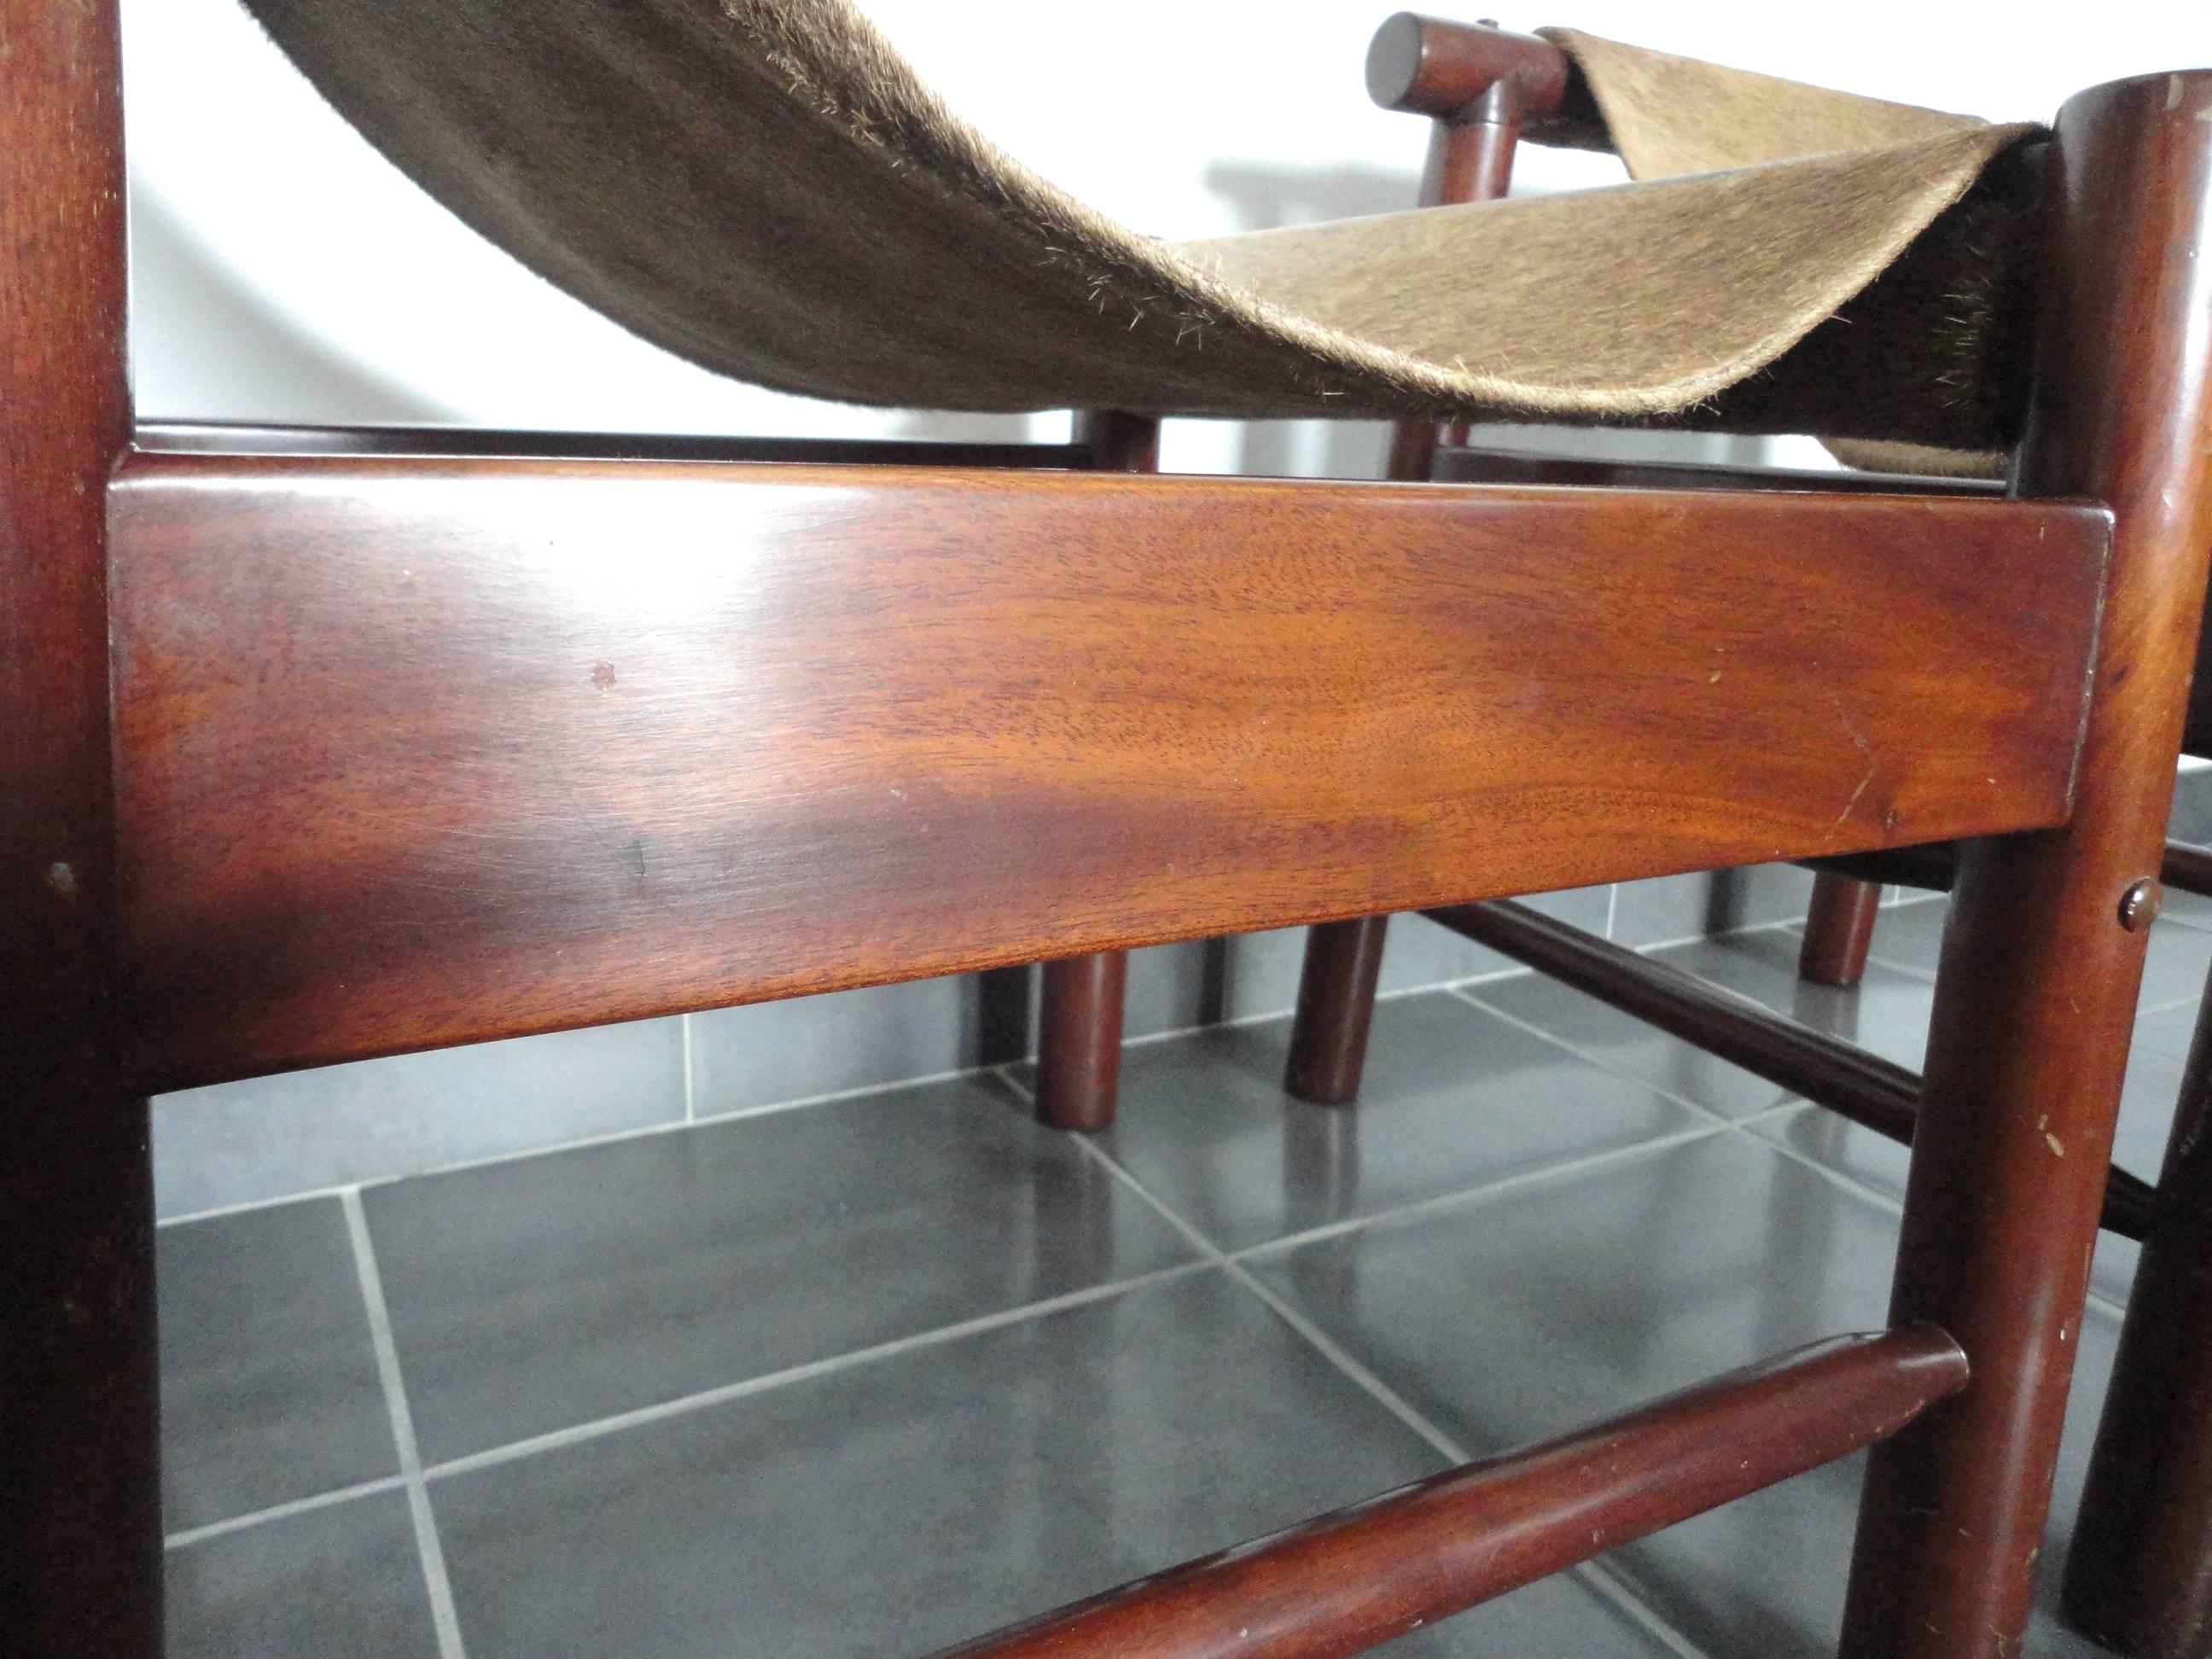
pixel 763 187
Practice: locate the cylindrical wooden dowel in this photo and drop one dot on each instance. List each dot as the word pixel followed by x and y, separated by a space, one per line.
pixel 1079 1048
pixel 1336 1008
pixel 1345 1582
pixel 2139 1575
pixel 2035 997
pixel 1873 1092
pixel 1838 930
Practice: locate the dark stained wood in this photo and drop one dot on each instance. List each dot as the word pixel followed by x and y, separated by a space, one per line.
pixel 1876 1093
pixel 1936 867
pixel 415 752
pixel 2187 867
pixel 80 1525
pixel 1463 72
pixel 1335 1009
pixel 1347 1581
pixel 240 438
pixel 2036 996
pixel 1471 149
pixel 1932 867
pixel 1463 463
pixel 1838 930
pixel 1079 1074
pixel 2139 1577
pixel 1080 1041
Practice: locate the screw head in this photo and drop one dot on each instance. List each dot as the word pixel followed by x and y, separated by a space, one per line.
pixel 2140 904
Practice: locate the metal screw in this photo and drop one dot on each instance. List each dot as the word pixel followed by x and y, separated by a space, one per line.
pixel 2140 904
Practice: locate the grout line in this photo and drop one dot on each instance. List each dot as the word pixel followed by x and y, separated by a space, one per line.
pixel 1469 1196
pixel 434 1581
pixel 1608 1067
pixel 1601 1580
pixel 321 1500
pixel 612 1137
pixel 691 1093
pixel 247 1206
pixel 1612 909
pixel 1438 1440
pixel 683 1406
pixel 1414 1210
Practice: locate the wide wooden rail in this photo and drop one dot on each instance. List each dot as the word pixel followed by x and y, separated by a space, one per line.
pixel 1344 1582
pixel 1873 1092
pixel 421 750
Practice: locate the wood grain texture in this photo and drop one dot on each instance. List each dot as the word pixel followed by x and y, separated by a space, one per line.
pixel 2036 990
pixel 1472 144
pixel 414 752
pixel 1079 1074
pixel 80 1533
pixel 1351 1580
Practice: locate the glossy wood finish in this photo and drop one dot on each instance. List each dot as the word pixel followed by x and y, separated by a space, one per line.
pixel 80 1530
pixel 1463 72
pixel 2036 996
pixel 2139 1577
pixel 1477 82
pixel 1466 464
pixel 1079 1074
pixel 1080 1041
pixel 1335 1009
pixel 1346 1582
pixel 1876 1093
pixel 1838 930
pixel 529 745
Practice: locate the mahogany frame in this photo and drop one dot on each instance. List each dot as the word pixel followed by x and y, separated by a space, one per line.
pixel 406 707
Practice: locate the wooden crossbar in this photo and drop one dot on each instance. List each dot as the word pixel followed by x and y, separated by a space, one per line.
pixel 414 750
pixel 1342 1582
pixel 1876 1093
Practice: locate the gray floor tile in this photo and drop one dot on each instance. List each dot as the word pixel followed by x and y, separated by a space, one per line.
pixel 1627 1044
pixel 1454 1097
pixel 2174 967
pixel 2139 1146
pixel 1519 1316
pixel 532 1296
pixel 1764 1579
pixel 1709 901
pixel 1886 1014
pixel 269 1385
pixel 243 1143
pixel 1523 1317
pixel 902 1504
pixel 343 1583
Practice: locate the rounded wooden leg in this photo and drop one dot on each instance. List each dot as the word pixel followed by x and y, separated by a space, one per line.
pixel 80 1486
pixel 2042 952
pixel 1839 929
pixel 1336 1007
pixel 1079 1047
pixel 2139 1578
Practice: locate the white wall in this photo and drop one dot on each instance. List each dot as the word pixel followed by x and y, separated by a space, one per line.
pixel 284 271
